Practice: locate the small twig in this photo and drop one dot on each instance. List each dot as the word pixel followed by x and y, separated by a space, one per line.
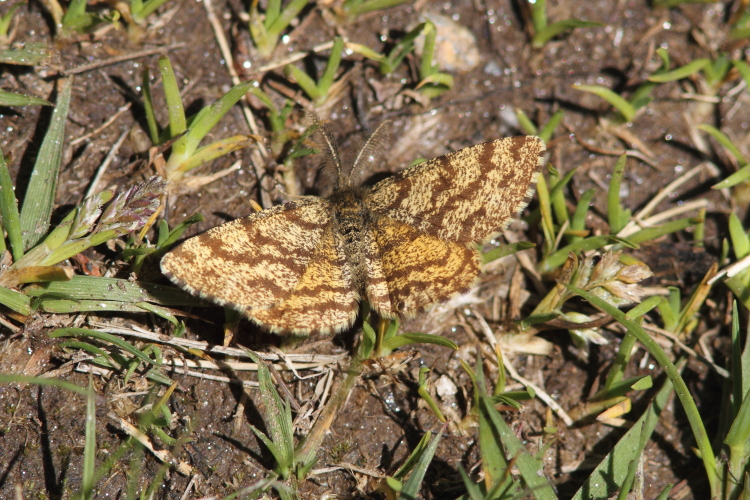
pixel 10 326
pixel 663 193
pixel 314 359
pixel 732 270
pixel 700 97
pixel 163 455
pixel 671 336
pixel 258 155
pixel 118 59
pixel 662 216
pixel 295 56
pixel 106 124
pixel 617 152
pixel 347 467
pixel 541 394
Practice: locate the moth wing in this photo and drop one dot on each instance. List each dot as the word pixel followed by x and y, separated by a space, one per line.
pixel 419 269
pixel 465 196
pixel 323 301
pixel 253 262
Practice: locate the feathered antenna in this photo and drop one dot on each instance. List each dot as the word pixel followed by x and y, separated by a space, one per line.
pixel 370 148
pixel 331 150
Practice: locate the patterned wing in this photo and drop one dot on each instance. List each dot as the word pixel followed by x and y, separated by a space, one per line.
pixel 251 262
pixel 418 269
pixel 465 196
pixel 323 301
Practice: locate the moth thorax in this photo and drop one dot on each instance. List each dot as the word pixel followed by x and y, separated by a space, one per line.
pixel 350 223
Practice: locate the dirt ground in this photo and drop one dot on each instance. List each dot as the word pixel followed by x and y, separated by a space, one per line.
pixel 42 429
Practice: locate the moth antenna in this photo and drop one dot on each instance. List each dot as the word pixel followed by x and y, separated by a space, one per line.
pixel 332 150
pixel 372 144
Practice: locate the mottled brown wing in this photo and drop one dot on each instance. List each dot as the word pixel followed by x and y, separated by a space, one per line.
pixel 465 196
pixel 323 301
pixel 254 263
pixel 418 269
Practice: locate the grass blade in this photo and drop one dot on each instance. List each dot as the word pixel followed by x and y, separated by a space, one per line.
pixel 112 339
pixel 688 403
pixel 528 466
pixel 558 28
pixel 612 470
pixel 31 54
pixel 738 177
pixel 414 483
pixel 40 194
pixel 17 378
pixel 679 73
pixel 13 99
pixel 9 211
pixel 15 301
pixel 725 141
pixel 624 107
pixel 114 289
pixel 89 448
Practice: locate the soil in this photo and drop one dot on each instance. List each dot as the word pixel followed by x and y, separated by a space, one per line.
pixel 42 429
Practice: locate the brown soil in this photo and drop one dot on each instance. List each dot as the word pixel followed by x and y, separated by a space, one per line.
pixel 42 429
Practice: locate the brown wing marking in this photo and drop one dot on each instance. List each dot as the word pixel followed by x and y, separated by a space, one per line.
pixel 465 196
pixel 323 301
pixel 420 269
pixel 252 262
pixel 376 286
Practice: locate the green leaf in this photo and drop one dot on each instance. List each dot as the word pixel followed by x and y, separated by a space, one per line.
pixel 17 378
pixel 411 487
pixel 112 339
pixel 326 80
pixel 115 290
pixel 685 71
pixel 744 70
pixel 13 99
pixel 549 128
pixel 306 83
pixel 682 391
pixel 725 141
pixel 15 300
pixel 184 147
pixel 740 176
pixel 740 239
pixel 215 150
pixel 287 15
pixel 9 211
pixel 144 10
pixel 40 194
pixel 525 123
pixel 505 438
pixel 88 480
pixel 148 107
pixel 543 36
pixel 578 221
pixel 503 250
pixel 354 8
pixel 651 233
pixel 175 109
pixel 278 418
pixel 606 478
pixel 31 54
pixel 417 338
pixel 615 212
pixel 624 107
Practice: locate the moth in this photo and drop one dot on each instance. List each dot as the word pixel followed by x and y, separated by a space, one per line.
pixel 404 244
